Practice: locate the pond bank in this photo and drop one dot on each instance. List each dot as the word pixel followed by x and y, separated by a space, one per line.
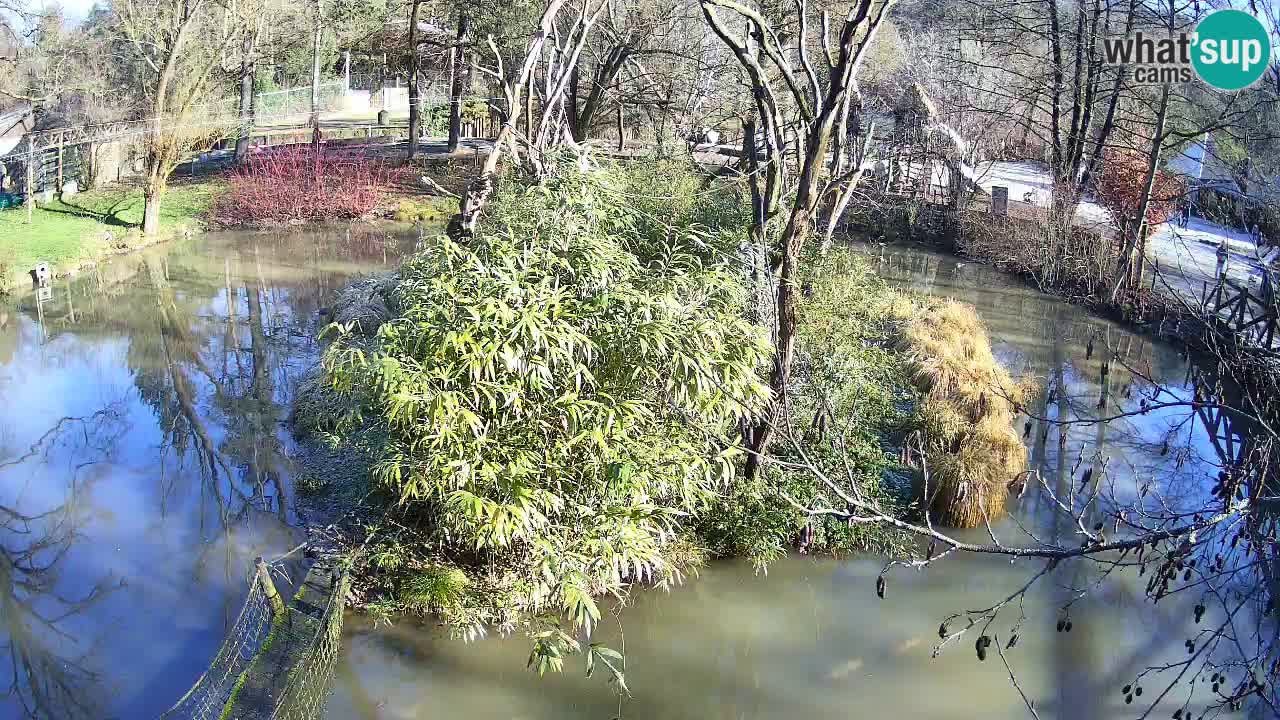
pixel 77 232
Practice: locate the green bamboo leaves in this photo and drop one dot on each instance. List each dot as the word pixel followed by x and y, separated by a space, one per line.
pixel 554 397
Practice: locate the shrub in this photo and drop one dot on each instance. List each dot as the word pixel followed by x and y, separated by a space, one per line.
pixel 1123 180
pixel 848 402
pixel 553 397
pixel 299 183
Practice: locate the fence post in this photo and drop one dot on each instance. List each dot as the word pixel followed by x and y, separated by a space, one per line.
pixel 31 176
pixel 61 144
pixel 269 587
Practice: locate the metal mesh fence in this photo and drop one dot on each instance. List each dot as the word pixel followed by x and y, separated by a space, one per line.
pixel 307 690
pixel 212 690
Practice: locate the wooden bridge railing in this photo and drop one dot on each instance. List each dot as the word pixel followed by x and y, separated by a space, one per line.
pixel 1251 316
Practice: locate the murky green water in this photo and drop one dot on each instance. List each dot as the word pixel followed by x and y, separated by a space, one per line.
pixel 811 640
pixel 144 459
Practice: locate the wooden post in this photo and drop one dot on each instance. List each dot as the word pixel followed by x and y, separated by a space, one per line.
pixel 269 587
pixel 60 148
pixel 31 176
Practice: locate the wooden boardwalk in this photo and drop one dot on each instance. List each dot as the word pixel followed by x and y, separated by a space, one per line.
pixel 1248 316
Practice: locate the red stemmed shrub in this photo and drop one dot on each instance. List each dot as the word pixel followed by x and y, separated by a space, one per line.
pixel 299 182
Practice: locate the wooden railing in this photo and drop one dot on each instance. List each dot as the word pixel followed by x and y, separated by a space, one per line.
pixel 1250 316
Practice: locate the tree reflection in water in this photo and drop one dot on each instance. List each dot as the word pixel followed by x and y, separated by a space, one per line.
pixel 203 339
pixel 48 673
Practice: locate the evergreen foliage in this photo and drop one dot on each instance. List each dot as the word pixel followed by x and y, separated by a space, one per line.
pixel 552 400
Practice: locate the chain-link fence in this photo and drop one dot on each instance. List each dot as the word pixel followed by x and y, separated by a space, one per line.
pixel 277 103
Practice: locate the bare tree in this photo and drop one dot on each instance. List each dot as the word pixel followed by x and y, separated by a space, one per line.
pixel 811 108
pixel 171 38
pixel 560 60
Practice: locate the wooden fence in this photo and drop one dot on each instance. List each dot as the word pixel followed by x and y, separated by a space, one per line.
pixel 1250 316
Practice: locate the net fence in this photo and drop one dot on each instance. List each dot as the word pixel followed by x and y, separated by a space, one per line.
pixel 212 690
pixel 312 660
pixel 308 686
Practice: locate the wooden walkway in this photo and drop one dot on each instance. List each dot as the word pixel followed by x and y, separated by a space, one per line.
pixel 1248 316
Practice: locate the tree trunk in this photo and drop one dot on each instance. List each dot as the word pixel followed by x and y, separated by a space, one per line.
pixel 528 111
pixel 583 113
pixel 1108 121
pixel 315 65
pixel 575 126
pixel 455 86
pixel 1055 92
pixel 153 194
pixel 1129 261
pixel 248 70
pixel 415 112
pixel 622 138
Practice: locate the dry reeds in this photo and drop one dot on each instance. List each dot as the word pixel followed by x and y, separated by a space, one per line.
pixel 971 450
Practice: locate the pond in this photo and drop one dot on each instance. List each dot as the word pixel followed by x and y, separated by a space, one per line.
pixel 811 640
pixel 145 460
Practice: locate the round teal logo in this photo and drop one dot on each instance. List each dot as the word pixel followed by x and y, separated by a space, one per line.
pixel 1231 49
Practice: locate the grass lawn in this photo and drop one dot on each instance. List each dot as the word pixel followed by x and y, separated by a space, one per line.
pixel 71 232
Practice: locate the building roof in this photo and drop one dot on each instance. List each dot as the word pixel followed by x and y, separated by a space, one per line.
pixel 1203 168
pixel 15 123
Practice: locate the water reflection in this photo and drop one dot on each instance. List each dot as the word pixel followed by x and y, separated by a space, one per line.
pixel 1087 369
pixel 144 461
pixel 53 664
pixel 811 639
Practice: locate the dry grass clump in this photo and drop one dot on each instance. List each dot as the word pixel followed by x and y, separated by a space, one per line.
pixel 970 447
pixel 317 407
pixel 363 303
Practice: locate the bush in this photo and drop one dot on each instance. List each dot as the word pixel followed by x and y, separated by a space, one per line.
pixel 300 183
pixel 553 398
pixel 1061 257
pixel 848 403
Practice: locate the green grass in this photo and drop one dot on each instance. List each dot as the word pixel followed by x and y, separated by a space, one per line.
pixel 69 233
